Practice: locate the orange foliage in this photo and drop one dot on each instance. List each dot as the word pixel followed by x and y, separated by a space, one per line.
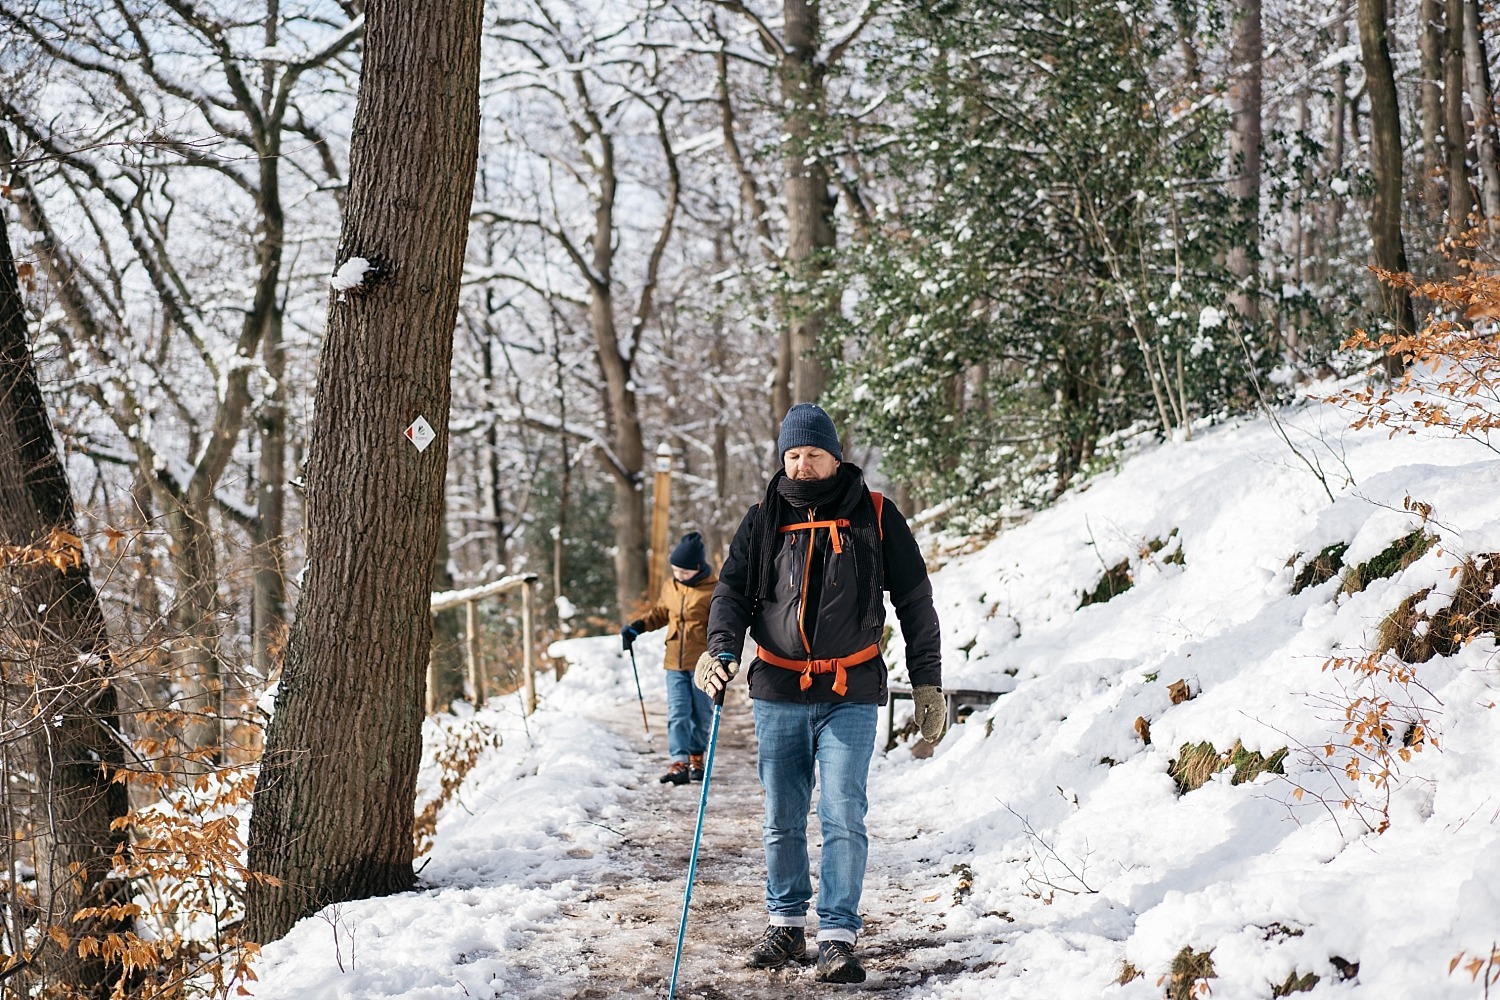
pixel 1450 368
pixel 185 860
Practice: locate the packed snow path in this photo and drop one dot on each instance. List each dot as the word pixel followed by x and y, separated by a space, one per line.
pixel 618 937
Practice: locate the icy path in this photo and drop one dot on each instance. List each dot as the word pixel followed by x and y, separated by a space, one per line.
pixel 618 936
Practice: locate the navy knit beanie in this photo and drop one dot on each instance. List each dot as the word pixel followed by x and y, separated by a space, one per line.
pixel 689 552
pixel 807 425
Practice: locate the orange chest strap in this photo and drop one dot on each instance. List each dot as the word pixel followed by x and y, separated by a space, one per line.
pixel 812 526
pixel 835 665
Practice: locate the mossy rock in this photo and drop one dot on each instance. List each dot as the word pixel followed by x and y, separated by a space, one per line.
pixel 1414 636
pixel 1118 578
pixel 1397 556
pixel 1189 968
pixel 1321 568
pixel 1250 764
pixel 1295 984
pixel 1174 557
pixel 1196 763
pixel 1115 582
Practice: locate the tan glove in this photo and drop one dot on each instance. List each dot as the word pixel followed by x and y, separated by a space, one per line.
pixel 931 712
pixel 714 672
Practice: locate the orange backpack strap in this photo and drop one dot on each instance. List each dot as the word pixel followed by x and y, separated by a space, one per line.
pixel 879 499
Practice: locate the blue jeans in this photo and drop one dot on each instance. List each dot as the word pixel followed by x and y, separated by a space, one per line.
pixel 690 715
pixel 838 739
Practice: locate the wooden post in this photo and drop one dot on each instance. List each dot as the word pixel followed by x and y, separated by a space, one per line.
pixel 660 516
pixel 526 664
pixel 476 662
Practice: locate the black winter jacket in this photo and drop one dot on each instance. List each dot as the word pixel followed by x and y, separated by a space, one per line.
pixel 832 621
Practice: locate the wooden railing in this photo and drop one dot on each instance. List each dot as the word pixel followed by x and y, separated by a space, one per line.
pixel 473 657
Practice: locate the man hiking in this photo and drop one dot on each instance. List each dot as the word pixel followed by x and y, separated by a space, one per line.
pixel 805 576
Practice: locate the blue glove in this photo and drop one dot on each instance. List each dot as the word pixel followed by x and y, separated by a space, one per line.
pixel 628 634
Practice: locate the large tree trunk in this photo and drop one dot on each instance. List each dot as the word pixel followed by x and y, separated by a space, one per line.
pixel 54 648
pixel 1385 166
pixel 1246 60
pixel 809 205
pixel 333 808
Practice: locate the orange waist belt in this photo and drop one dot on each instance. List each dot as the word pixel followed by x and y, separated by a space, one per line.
pixel 834 665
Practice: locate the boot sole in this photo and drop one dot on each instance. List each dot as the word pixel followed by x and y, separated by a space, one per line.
pixel 846 976
pixel 751 963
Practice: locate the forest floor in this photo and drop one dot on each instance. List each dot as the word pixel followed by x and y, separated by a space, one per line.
pixel 621 930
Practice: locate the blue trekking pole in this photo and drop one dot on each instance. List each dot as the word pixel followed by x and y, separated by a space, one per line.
pixel 687 897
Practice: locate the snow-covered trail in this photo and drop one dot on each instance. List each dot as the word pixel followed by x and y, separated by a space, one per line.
pixel 617 937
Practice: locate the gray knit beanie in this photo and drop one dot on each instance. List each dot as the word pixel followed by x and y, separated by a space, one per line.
pixel 807 425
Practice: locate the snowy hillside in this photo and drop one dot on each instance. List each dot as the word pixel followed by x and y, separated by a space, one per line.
pixel 1050 851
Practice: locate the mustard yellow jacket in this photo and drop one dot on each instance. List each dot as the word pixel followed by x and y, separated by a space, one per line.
pixel 684 610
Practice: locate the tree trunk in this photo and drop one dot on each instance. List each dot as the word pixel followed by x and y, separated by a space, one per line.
pixel 1244 99
pixel 809 205
pixel 628 457
pixel 1385 166
pixel 196 622
pixel 52 632
pixel 1481 99
pixel 333 808
pixel 268 601
pixel 629 450
pixel 1430 43
pixel 1455 138
pixel 1338 129
pixel 268 609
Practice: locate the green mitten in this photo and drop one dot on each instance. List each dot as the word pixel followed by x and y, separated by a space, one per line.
pixel 932 711
pixel 714 671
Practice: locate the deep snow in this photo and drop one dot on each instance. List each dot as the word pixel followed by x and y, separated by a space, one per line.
pixel 1044 845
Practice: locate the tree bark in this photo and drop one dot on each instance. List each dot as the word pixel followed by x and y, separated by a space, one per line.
pixel 809 204
pixel 333 807
pixel 1482 102
pixel 1430 42
pixel 54 647
pixel 268 600
pixel 1385 166
pixel 1455 138
pixel 1246 61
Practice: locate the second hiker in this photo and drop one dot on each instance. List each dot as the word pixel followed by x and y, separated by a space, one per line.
pixel 683 609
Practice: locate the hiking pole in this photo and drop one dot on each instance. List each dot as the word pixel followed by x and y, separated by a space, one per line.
pixel 638 696
pixel 687 896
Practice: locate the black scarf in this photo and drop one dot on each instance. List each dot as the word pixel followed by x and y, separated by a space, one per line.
pixel 842 495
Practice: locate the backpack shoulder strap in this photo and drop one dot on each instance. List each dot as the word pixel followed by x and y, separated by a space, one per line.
pixel 879 499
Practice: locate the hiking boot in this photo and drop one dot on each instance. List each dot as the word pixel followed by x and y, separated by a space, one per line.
pixel 677 774
pixel 779 946
pixel 695 766
pixel 837 964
